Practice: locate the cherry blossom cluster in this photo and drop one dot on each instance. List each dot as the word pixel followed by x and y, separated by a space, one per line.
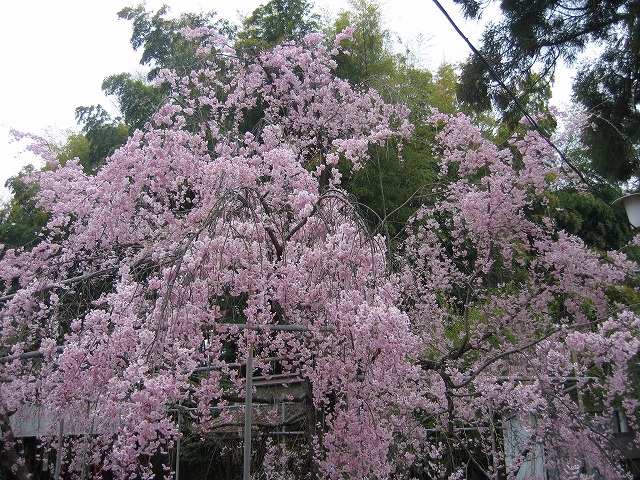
pixel 220 219
pixel 518 320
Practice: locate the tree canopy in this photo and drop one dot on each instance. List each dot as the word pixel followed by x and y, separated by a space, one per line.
pixel 367 57
pixel 528 41
pixel 159 37
pixel 276 21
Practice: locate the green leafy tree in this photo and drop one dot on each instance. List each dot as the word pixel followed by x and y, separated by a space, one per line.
pixel 159 37
pixel 610 89
pixel 390 187
pixel 104 134
pixel 275 21
pixel 75 145
pixel 488 101
pixel 163 46
pixel 20 217
pixel 529 40
pixel 444 92
pixel 587 213
pixel 137 100
pixel 592 219
pixel 367 58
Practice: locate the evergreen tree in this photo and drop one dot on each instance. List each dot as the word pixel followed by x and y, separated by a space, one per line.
pixel 529 40
pixel 276 21
pixel 20 218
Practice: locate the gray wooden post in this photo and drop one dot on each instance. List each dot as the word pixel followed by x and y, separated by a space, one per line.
pixel 59 452
pixel 248 407
pixel 178 445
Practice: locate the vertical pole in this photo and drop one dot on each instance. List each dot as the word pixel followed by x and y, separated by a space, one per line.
pixel 85 446
pixel 281 440
pixel 178 445
pixel 494 455
pixel 248 407
pixel 59 452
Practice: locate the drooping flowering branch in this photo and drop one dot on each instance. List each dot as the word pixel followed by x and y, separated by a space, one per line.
pixel 501 297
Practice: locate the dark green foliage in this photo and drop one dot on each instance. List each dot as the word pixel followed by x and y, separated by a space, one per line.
pixel 593 220
pixel 276 21
pixel 478 90
pixel 162 44
pixel 443 90
pixel 529 41
pixel 104 134
pixel 369 60
pixel 389 190
pixel 474 84
pixel 137 100
pixel 610 89
pixel 215 458
pixel 76 145
pixel 20 218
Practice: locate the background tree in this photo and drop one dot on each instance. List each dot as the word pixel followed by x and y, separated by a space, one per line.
pixel 388 186
pixel 73 145
pixel 103 133
pixel 137 101
pixel 532 37
pixel 586 210
pixel 163 46
pixel 276 21
pixel 160 40
pixel 367 58
pixel 20 219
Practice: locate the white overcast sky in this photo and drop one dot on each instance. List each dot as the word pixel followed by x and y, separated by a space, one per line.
pixel 55 54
